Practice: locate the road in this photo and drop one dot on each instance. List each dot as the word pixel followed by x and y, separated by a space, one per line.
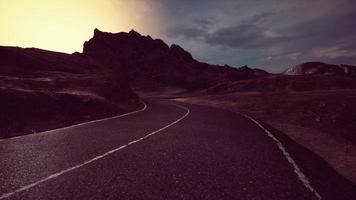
pixel 167 150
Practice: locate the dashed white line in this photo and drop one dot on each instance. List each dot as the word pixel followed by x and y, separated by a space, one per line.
pixel 81 124
pixel 24 188
pixel 297 170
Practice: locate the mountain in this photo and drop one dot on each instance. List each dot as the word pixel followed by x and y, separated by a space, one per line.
pixel 319 68
pixel 151 63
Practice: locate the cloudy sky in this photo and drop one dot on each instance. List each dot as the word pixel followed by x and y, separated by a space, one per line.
pixel 268 34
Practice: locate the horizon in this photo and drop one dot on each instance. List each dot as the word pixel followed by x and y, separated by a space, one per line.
pixel 257 34
pixel 252 67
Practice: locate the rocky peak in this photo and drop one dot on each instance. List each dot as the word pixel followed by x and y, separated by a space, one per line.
pixel 97 32
pixel 252 71
pixel 180 53
pixel 244 68
pixel 133 33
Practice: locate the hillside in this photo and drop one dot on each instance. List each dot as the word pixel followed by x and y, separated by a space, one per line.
pixel 283 83
pixel 319 68
pixel 42 90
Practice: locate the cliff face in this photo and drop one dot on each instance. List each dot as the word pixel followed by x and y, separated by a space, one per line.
pixel 150 63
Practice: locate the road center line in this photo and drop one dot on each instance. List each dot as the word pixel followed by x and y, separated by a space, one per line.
pixel 24 188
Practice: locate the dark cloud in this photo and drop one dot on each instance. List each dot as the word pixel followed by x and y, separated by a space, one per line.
pixel 186 32
pixel 259 19
pixel 328 30
pixel 265 32
pixel 247 36
pixel 206 23
pixel 321 32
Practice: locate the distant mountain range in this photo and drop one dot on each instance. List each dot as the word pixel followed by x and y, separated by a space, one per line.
pixel 319 68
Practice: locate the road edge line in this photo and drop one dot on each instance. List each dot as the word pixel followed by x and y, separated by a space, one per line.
pixel 301 176
pixel 80 124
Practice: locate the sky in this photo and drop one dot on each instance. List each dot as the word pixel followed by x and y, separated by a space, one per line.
pixel 267 34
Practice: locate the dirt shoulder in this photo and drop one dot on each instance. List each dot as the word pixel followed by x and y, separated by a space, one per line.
pixel 317 120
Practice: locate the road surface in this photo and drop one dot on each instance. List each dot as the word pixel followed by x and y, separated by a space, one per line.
pixel 167 150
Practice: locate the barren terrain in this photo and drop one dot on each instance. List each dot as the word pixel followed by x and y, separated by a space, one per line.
pixel 322 121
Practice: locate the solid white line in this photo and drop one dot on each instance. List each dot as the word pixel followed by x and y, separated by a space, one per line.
pixel 297 170
pixel 81 124
pixel 95 158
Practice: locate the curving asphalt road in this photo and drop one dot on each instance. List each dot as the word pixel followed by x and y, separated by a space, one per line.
pixel 167 150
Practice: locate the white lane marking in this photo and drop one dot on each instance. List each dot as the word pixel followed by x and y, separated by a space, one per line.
pixel 81 124
pixel 297 170
pixel 3 196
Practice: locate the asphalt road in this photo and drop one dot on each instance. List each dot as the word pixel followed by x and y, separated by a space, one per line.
pixel 168 150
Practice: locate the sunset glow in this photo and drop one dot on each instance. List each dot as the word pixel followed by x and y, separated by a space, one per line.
pixel 64 25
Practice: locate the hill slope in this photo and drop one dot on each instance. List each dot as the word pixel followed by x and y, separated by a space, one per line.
pixel 41 90
pixel 319 68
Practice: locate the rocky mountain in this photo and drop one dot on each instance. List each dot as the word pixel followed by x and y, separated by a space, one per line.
pixel 151 63
pixel 319 68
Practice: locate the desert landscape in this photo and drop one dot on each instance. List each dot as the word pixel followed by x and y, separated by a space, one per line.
pixel 155 113
pixel 313 103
